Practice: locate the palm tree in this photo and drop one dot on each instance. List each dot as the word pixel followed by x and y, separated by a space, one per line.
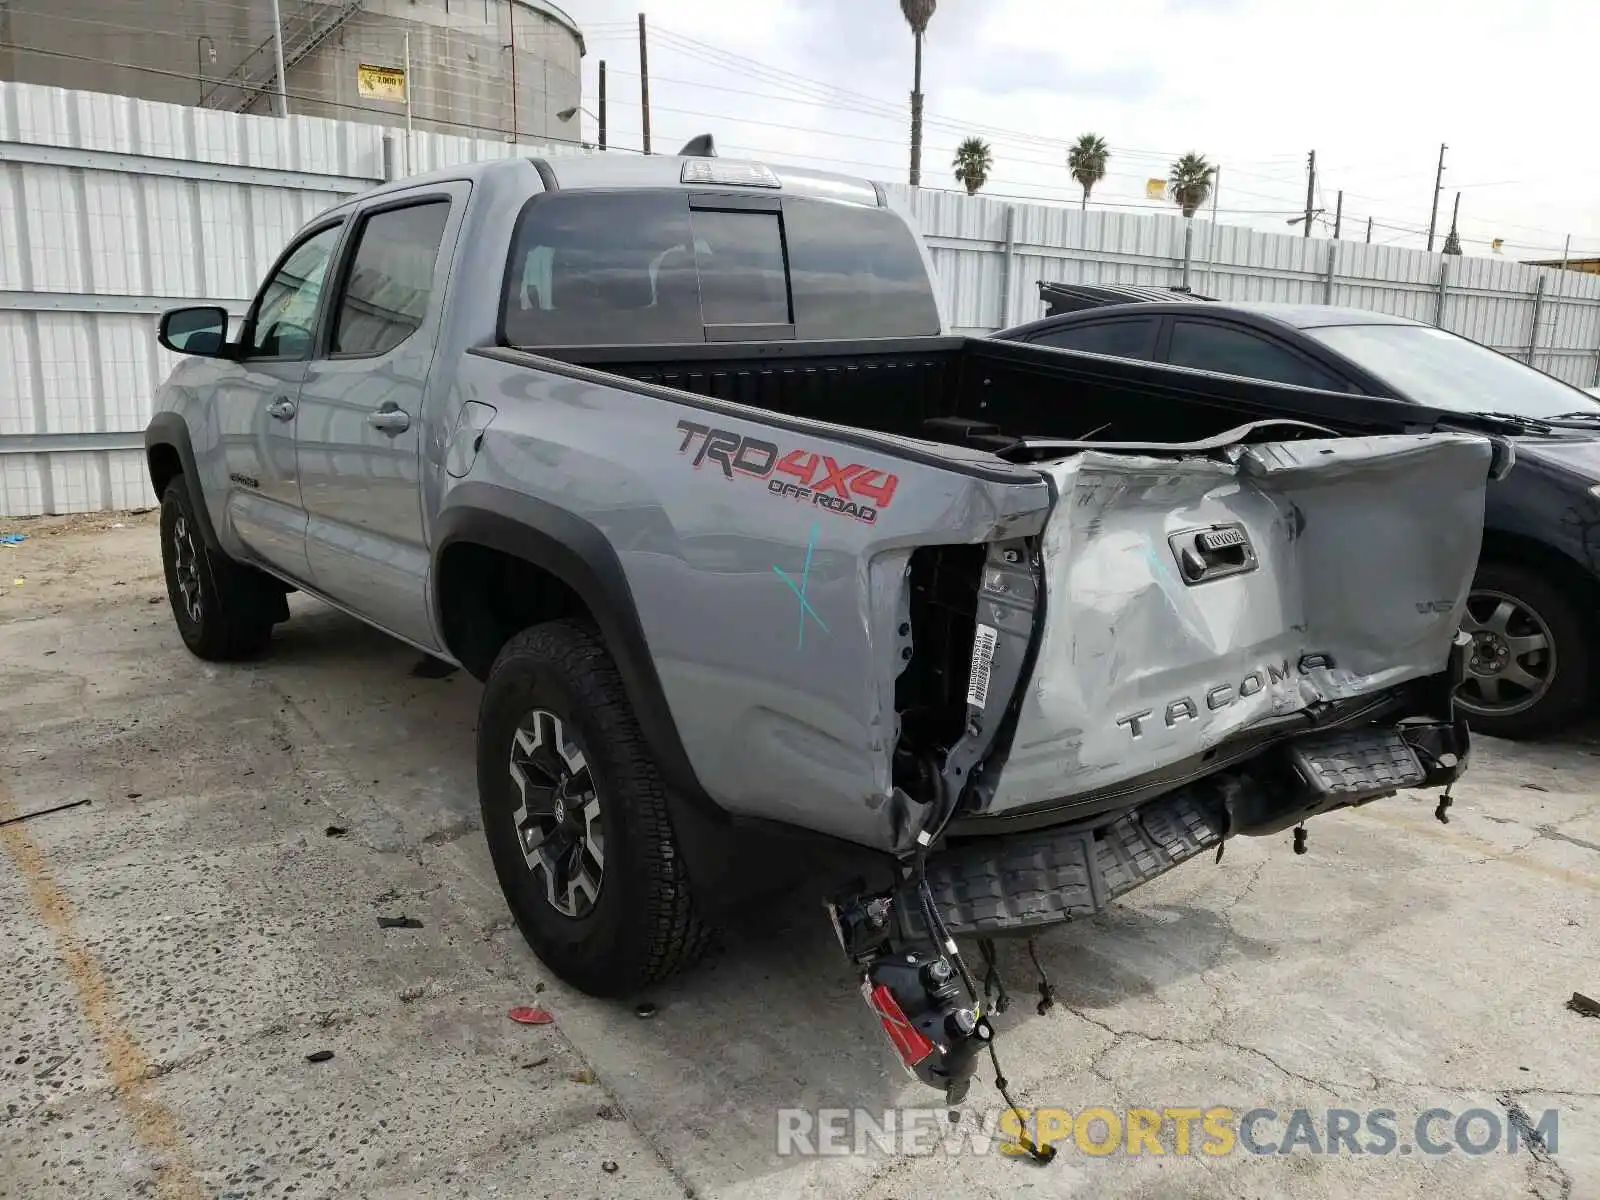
pixel 973 162
pixel 1190 182
pixel 917 14
pixel 1087 161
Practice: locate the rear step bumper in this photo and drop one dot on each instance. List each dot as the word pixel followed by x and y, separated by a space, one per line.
pixel 1018 882
pixel 1043 877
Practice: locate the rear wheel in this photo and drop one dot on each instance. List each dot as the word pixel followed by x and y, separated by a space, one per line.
pixel 576 816
pixel 223 610
pixel 1528 668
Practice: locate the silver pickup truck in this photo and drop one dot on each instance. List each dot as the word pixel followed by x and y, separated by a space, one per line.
pixel 762 569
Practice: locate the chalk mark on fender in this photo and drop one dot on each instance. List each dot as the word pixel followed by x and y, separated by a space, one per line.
pixel 799 589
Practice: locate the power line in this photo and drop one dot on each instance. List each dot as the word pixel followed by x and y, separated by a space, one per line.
pixel 955 135
pixel 807 90
pixel 1031 142
pixel 862 103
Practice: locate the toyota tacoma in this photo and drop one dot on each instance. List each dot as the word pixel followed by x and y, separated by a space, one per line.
pixel 759 566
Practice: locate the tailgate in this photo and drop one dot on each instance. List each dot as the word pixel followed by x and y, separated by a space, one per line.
pixel 1187 600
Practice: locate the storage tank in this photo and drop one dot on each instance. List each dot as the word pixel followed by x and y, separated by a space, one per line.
pixel 343 58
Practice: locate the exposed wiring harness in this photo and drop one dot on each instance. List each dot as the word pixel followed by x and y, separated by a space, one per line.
pixel 941 935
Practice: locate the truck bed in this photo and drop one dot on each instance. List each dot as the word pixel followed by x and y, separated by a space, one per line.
pixel 898 387
pixel 1001 452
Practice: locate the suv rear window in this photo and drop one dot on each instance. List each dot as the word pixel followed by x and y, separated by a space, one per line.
pixel 652 267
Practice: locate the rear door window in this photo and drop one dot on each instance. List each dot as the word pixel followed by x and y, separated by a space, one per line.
pixel 385 295
pixel 1128 337
pixel 1209 346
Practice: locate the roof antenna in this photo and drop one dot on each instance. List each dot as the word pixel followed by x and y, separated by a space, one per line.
pixel 699 147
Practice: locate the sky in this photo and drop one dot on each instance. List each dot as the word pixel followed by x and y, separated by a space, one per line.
pixel 1374 87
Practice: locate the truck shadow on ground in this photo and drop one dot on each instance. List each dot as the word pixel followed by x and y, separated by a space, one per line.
pixel 775 1017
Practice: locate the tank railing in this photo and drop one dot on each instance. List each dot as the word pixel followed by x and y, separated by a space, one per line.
pixel 304 29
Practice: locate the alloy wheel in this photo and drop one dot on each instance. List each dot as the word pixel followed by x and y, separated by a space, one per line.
pixel 186 566
pixel 558 815
pixel 1512 662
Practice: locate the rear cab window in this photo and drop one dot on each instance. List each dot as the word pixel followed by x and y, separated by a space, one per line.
pixel 651 267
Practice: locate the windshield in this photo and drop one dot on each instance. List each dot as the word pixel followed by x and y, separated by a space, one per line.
pixel 1432 367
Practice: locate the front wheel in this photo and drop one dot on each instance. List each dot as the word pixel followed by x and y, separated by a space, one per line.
pixel 575 812
pixel 1528 668
pixel 223 611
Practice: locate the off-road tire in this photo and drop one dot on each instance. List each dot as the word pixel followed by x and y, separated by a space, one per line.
pixel 237 606
pixel 1568 691
pixel 643 926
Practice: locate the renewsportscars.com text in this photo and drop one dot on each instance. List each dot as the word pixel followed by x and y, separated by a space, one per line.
pixel 1177 1130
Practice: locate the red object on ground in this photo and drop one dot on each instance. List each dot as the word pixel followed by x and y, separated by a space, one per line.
pixel 530 1016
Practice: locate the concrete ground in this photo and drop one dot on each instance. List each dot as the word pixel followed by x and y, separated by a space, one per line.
pixel 172 951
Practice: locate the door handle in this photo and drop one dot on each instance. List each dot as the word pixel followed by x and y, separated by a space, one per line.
pixel 282 408
pixel 1214 552
pixel 390 420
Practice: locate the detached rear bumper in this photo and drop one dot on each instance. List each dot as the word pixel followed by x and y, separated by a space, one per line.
pixel 1020 882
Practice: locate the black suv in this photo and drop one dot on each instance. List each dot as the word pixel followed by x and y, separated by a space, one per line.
pixel 1533 608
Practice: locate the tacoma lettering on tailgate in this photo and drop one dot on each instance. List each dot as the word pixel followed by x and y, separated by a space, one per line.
pixel 849 489
pixel 1187 708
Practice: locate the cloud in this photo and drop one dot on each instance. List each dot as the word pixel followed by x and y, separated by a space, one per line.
pixel 1373 85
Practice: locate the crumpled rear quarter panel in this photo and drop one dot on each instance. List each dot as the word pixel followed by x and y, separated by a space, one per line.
pixel 1365 547
pixel 772 621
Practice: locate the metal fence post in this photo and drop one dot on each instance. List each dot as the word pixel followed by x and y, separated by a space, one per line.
pixel 1533 328
pixel 1595 382
pixel 1327 283
pixel 1007 264
pixel 1188 249
pixel 1444 277
pixel 391 170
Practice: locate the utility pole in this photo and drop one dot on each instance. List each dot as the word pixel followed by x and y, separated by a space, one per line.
pixel 277 55
pixel 1211 234
pixel 1311 188
pixel 511 19
pixel 1369 231
pixel 1338 213
pixel 1438 185
pixel 407 74
pixel 1566 249
pixel 602 113
pixel 644 82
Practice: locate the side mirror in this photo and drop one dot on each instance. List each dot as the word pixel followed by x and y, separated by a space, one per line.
pixel 202 330
pixel 1502 457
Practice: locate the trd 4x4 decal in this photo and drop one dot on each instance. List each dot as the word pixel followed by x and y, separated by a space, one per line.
pixel 850 489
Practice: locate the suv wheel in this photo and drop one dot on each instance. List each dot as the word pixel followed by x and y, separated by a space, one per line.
pixel 1528 668
pixel 576 817
pixel 223 610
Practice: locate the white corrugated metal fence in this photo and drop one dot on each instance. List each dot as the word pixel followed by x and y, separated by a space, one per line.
pixel 1512 307
pixel 112 210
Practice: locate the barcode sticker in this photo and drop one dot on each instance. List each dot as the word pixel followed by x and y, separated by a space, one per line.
pixel 983 644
